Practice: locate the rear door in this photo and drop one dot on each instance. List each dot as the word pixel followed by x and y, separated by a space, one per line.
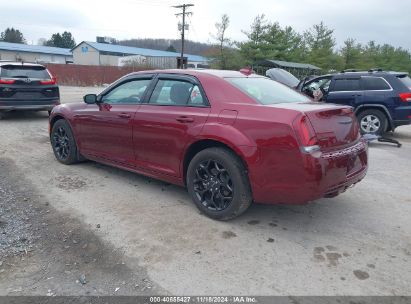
pixel 105 128
pixel 377 91
pixel 175 112
pixel 345 91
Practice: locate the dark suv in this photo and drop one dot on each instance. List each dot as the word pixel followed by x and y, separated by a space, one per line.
pixel 27 86
pixel 382 100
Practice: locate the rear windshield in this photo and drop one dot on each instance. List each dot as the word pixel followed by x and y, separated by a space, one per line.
pixel 406 80
pixel 11 71
pixel 266 91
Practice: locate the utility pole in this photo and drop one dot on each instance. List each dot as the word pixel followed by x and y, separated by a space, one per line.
pixel 183 28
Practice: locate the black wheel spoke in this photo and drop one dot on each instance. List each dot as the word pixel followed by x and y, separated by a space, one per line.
pixel 213 185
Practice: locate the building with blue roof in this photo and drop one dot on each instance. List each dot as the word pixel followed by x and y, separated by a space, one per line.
pixel 34 53
pixel 95 53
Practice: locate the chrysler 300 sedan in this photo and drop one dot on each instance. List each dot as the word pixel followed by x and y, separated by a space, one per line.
pixel 231 139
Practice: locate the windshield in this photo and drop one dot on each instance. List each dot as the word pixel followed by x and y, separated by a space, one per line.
pixel 13 71
pixel 406 80
pixel 266 91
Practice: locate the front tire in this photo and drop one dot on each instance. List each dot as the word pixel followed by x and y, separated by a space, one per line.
pixel 217 182
pixel 63 143
pixel 372 121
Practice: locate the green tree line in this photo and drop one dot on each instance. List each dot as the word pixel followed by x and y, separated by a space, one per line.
pixel 316 45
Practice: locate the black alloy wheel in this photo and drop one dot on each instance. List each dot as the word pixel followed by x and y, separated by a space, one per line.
pixel 63 143
pixel 217 181
pixel 213 185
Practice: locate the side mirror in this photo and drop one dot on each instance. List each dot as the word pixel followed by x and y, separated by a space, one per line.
pixel 90 98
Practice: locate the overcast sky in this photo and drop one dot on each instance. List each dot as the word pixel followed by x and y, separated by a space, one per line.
pixel 385 21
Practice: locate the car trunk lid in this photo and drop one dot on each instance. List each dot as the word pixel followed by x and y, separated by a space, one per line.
pixel 334 126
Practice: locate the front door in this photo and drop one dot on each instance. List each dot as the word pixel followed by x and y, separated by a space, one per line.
pixel 345 91
pixel 105 129
pixel 175 112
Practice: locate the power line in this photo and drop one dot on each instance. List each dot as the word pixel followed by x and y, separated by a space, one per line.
pixel 183 28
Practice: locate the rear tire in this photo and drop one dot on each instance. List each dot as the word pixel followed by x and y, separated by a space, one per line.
pixel 372 121
pixel 63 143
pixel 1 115
pixel 217 182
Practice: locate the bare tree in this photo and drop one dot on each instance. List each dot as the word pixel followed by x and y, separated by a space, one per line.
pixel 222 40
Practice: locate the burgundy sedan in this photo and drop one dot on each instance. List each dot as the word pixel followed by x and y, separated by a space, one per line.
pixel 231 139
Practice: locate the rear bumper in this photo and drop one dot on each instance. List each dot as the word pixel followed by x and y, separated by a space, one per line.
pixel 316 176
pixel 26 105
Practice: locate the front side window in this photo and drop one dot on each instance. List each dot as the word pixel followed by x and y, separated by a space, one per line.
pixel 345 85
pixel 375 83
pixel 131 92
pixel 176 92
pixel 267 91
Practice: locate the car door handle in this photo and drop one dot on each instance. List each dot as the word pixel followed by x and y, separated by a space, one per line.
pixel 184 119
pixel 124 115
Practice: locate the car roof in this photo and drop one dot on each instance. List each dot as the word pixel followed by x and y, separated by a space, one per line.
pixel 17 63
pixel 199 72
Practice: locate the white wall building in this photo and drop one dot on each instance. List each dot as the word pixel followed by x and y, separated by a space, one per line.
pixel 94 53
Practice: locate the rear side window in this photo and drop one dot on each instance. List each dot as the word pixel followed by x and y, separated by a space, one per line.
pixel 375 83
pixel 177 93
pixel 16 71
pixel 342 85
pixel 267 91
pixel 406 80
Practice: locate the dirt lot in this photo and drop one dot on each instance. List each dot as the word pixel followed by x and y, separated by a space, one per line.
pixel 92 229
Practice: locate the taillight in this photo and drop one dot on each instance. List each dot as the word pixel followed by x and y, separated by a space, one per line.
pixel 405 97
pixel 53 80
pixel 306 134
pixel 7 81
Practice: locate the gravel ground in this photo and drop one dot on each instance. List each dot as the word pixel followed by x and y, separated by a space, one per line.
pixel 120 230
pixel 44 252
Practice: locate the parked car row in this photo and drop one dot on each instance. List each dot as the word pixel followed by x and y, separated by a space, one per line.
pixel 232 138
